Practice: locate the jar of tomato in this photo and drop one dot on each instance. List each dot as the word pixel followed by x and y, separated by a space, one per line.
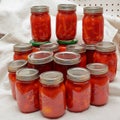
pixel 40 23
pixel 66 21
pixel 52 94
pixel 22 50
pixel 90 50
pixel 27 90
pixel 80 49
pixel 12 68
pixel 42 61
pixel 106 53
pixel 93 25
pixel 99 83
pixel 65 60
pixel 78 89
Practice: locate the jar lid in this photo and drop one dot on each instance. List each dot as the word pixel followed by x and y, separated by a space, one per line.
pixel 27 74
pixel 90 47
pixel 22 47
pixel 41 57
pixel 105 47
pixel 39 9
pixel 93 9
pixel 51 78
pixel 67 42
pixel 76 48
pixel 78 74
pixel 97 68
pixel 67 7
pixel 50 47
pixel 16 64
pixel 67 58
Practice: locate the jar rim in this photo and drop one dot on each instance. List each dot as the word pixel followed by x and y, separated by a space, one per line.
pixel 67 7
pixel 39 9
pixel 90 47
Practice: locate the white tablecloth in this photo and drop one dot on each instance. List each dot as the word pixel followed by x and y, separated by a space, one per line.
pixel 14 20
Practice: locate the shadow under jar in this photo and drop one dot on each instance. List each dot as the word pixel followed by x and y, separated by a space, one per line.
pixel 42 61
pixel 27 90
pixel 40 23
pixel 106 53
pixel 65 60
pixel 52 94
pixel 12 68
pixel 93 25
pixel 66 22
pixel 99 83
pixel 78 89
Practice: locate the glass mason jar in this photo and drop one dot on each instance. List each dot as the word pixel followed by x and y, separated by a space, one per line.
pixel 78 89
pixel 66 21
pixel 106 53
pixel 42 61
pixel 99 83
pixel 52 94
pixel 90 50
pixel 65 60
pixel 27 90
pixel 93 25
pixel 80 49
pixel 21 51
pixel 40 23
pixel 12 68
pixel 54 47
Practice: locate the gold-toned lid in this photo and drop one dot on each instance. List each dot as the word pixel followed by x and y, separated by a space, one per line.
pixel 67 7
pixel 39 9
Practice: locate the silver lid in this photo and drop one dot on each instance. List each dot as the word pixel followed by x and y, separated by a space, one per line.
pixel 76 48
pixel 41 57
pixel 97 68
pixel 27 74
pixel 51 78
pixel 39 9
pixel 67 58
pixel 50 47
pixel 105 47
pixel 93 10
pixel 16 64
pixel 22 47
pixel 67 7
pixel 78 74
pixel 90 47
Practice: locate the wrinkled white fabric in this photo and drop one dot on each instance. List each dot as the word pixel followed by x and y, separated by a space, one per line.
pixel 15 21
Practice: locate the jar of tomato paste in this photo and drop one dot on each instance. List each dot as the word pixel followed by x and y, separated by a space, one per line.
pixel 106 53
pixel 22 50
pixel 66 21
pixel 12 68
pixel 93 25
pixel 42 61
pixel 99 83
pixel 40 23
pixel 65 60
pixel 80 49
pixel 27 90
pixel 78 89
pixel 52 94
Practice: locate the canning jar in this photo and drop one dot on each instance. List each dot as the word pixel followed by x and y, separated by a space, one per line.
pixel 78 89
pixel 65 60
pixel 106 53
pixel 52 94
pixel 93 25
pixel 12 68
pixel 40 23
pixel 42 61
pixel 66 21
pixel 27 90
pixel 99 83
pixel 80 49
pixel 22 50
pixel 90 50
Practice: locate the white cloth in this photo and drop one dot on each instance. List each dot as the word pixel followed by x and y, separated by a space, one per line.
pixel 15 21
